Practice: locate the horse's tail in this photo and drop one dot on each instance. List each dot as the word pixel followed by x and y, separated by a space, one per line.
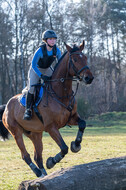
pixel 4 133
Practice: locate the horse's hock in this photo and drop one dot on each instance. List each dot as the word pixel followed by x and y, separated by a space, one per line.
pixel 108 174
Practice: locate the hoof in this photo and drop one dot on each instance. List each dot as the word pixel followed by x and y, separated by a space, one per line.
pixel 42 176
pixel 44 173
pixel 50 163
pixel 75 148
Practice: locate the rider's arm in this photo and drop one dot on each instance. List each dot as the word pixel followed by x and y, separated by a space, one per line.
pixel 38 54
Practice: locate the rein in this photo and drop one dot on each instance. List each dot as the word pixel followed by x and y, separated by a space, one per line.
pixel 77 73
pixel 71 97
pixel 78 78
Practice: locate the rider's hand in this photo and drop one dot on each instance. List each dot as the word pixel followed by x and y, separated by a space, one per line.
pixel 45 78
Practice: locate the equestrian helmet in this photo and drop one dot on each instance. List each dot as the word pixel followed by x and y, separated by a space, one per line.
pixel 48 34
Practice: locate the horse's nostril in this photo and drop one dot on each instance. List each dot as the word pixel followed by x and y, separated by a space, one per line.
pixel 87 79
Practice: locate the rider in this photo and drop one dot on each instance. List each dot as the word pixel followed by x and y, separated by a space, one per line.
pixel 41 67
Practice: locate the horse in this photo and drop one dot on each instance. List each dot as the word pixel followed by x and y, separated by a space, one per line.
pixel 58 108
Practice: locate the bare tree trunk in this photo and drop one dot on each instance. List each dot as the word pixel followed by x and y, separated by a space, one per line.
pixel 50 18
pixel 105 78
pixel 110 95
pixel 44 17
pixel 21 3
pixel 113 45
pixel 114 67
pixel 118 68
pixel 10 81
pixel 16 53
pixel 2 79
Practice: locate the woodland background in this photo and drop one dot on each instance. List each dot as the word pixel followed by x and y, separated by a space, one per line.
pixel 101 23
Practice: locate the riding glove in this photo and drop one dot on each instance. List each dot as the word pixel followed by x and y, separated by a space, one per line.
pixel 45 78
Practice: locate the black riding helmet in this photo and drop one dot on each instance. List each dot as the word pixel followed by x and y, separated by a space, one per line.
pixel 48 34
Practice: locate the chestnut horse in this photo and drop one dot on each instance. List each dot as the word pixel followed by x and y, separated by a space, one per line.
pixel 57 108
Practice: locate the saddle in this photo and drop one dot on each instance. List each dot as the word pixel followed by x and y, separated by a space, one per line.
pixel 37 98
pixel 39 91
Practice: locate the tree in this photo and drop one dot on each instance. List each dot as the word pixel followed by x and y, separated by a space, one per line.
pixel 6 51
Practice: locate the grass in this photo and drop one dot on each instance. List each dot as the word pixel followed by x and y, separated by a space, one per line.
pixel 105 137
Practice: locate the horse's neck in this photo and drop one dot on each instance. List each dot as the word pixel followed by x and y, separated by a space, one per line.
pixel 65 88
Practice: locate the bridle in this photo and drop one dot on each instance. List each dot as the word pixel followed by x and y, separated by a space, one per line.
pixel 71 64
pixel 71 97
pixel 76 71
pixel 78 78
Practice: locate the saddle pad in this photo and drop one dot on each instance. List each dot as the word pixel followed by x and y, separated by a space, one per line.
pixel 37 99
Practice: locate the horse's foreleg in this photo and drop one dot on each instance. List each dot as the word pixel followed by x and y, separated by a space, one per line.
pixel 55 134
pixel 36 138
pixel 17 134
pixel 76 145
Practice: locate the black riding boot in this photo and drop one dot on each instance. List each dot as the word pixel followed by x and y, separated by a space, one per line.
pixel 28 108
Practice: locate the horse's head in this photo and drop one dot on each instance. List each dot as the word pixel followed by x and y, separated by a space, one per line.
pixel 78 64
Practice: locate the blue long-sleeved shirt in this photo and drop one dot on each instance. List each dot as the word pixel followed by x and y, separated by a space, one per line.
pixel 38 54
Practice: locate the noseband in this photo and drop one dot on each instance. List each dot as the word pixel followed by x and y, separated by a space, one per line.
pixel 77 73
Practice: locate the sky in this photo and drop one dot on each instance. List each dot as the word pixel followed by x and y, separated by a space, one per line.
pixel 74 1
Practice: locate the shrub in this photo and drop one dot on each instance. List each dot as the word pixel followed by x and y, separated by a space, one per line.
pixel 83 108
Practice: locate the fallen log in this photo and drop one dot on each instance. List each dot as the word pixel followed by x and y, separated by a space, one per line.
pixel 107 174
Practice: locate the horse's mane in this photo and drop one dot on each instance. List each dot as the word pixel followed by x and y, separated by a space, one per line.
pixel 74 49
pixel 60 60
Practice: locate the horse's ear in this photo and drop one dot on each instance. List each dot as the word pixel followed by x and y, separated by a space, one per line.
pixel 82 45
pixel 68 47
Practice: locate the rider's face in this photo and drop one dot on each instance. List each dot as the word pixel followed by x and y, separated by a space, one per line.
pixel 51 41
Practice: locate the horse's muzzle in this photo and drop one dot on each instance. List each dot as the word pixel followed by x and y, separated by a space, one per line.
pixel 88 80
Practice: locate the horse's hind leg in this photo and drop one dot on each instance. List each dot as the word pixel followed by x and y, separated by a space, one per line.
pixel 55 134
pixel 17 134
pixel 36 138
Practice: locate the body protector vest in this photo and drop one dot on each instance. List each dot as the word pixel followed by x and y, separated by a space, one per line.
pixel 47 60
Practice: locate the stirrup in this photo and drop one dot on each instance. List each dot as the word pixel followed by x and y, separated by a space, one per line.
pixel 27 114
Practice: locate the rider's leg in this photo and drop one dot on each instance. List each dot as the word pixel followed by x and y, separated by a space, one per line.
pixel 28 107
pixel 33 78
pixel 49 71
